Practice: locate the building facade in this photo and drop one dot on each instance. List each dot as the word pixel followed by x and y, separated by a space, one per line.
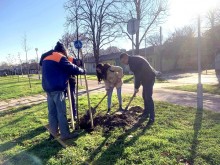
pixel 150 53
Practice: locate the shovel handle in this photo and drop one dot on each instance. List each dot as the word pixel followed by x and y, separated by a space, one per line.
pixel 130 101
pixel 87 91
pixel 71 108
pixel 100 101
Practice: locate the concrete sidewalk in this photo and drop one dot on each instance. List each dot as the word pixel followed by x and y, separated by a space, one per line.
pixel 183 98
pixel 37 99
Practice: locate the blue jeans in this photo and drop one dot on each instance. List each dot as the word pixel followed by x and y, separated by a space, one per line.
pixel 148 100
pixel 57 113
pixel 110 97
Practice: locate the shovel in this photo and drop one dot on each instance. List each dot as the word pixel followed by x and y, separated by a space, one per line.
pixel 134 95
pixel 94 109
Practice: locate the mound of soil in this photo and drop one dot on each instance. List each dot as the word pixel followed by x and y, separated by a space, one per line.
pixel 126 119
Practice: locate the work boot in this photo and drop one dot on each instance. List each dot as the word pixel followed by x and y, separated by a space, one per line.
pixel 150 122
pixel 70 136
pixel 51 137
pixel 108 112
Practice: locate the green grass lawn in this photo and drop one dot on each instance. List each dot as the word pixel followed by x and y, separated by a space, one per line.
pixel 11 88
pixel 212 89
pixel 179 134
pixel 128 79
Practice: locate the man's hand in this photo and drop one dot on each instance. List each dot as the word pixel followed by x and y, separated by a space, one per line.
pixel 82 71
pixel 135 92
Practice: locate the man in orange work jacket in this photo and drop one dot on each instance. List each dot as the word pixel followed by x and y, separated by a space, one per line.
pixel 56 70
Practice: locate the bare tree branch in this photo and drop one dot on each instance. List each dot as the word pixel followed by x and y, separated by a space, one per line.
pixel 96 20
pixel 150 13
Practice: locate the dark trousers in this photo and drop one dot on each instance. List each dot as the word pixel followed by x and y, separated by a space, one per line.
pixel 72 96
pixel 148 100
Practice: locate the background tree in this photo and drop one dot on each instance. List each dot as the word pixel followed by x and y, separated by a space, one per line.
pixel 181 48
pixel 25 46
pixel 211 37
pixel 26 49
pixel 95 19
pixel 213 17
pixel 154 40
pixel 4 65
pixel 20 61
pixel 68 41
pixel 11 60
pixel 150 13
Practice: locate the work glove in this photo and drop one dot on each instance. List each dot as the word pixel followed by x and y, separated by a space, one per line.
pixel 82 71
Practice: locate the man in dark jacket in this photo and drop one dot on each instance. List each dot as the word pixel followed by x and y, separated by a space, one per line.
pixel 144 75
pixel 72 81
pixel 56 70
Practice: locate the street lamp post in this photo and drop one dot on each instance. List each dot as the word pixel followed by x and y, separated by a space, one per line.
pixel 199 85
pixel 38 68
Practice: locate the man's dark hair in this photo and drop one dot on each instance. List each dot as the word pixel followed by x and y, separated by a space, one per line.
pixel 104 68
pixel 123 55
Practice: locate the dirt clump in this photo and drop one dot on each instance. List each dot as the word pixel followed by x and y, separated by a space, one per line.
pixel 108 122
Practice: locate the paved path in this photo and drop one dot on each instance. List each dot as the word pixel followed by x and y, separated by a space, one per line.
pixel 211 102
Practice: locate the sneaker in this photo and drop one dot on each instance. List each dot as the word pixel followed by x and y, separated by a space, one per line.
pixel 145 114
pixel 70 136
pixel 120 108
pixel 108 112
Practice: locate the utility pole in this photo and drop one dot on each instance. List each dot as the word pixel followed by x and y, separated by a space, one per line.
pixel 38 67
pixel 199 85
pixel 160 51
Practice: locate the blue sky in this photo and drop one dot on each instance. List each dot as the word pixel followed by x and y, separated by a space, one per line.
pixel 43 22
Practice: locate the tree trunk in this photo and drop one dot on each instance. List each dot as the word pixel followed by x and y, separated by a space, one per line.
pixel 96 55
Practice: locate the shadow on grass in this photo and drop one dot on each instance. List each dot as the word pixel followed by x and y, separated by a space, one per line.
pixel 7 112
pixel 90 90
pixel 13 122
pixel 38 153
pixel 197 127
pixel 18 83
pixel 116 149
